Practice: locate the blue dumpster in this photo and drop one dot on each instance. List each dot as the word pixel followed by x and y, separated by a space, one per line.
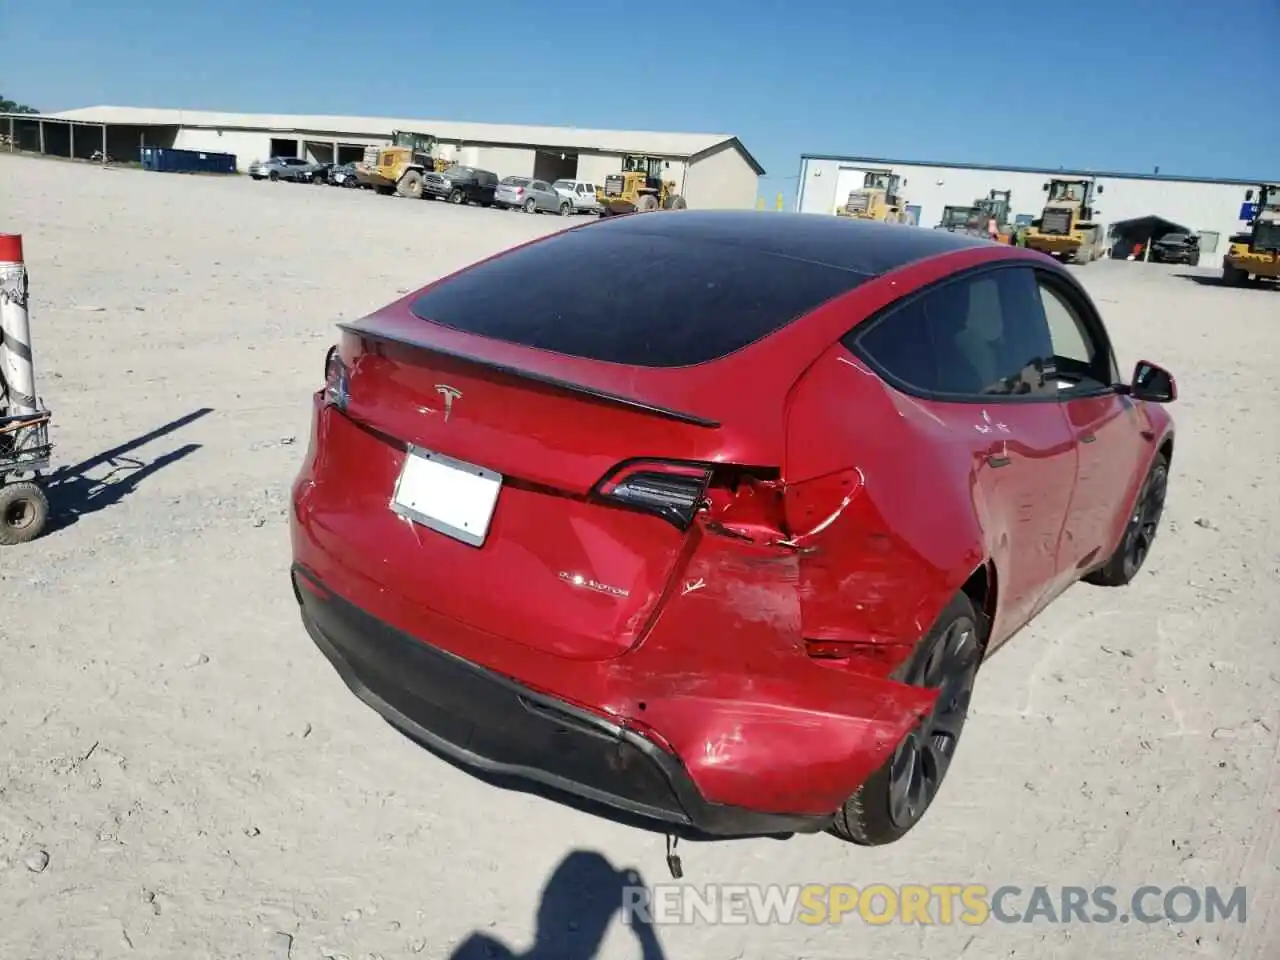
pixel 170 160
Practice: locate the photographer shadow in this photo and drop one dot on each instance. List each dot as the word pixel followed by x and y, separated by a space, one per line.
pixel 578 906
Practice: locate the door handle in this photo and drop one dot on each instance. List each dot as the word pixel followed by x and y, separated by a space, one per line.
pixel 1088 438
pixel 997 461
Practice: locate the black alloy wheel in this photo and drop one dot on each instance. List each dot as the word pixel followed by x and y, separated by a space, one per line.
pixel 895 798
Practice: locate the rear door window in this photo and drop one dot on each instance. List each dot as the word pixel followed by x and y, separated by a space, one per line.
pixel 714 298
pixel 978 336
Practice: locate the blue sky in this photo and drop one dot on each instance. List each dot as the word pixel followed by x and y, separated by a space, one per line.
pixel 1122 85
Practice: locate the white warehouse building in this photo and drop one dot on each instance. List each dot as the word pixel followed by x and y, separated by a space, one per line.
pixel 1134 208
pixel 711 170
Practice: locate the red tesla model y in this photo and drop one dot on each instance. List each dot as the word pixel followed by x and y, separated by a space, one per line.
pixel 709 518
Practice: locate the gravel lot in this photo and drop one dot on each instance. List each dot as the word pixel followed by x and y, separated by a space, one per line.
pixel 201 783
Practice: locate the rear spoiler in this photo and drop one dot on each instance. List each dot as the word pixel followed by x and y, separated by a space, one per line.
pixel 567 386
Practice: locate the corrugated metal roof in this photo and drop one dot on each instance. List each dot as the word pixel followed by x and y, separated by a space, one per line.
pixel 1046 171
pixel 608 141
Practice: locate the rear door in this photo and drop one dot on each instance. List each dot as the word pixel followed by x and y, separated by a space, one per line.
pixel 970 346
pixel 1104 423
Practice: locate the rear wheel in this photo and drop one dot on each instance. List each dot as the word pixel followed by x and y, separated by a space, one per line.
pixel 1139 533
pixel 410 185
pixel 24 510
pixel 676 202
pixel 531 205
pixel 894 798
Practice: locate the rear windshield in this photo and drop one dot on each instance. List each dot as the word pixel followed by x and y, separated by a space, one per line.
pixel 579 293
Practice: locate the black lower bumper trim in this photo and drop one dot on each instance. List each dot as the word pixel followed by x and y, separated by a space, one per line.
pixel 511 736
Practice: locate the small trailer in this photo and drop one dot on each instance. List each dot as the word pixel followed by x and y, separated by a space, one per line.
pixel 25 451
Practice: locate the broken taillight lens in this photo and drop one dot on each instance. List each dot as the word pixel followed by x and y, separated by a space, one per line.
pixel 336 380
pixel 673 491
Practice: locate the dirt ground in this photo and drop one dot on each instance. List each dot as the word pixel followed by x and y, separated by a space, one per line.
pixel 183 775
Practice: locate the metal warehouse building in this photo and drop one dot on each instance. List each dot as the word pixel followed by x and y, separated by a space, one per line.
pixel 711 170
pixel 1133 207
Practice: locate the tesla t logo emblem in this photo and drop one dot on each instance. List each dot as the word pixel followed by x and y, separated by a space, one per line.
pixel 450 394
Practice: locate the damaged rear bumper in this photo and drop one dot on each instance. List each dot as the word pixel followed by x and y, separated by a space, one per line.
pixel 498 728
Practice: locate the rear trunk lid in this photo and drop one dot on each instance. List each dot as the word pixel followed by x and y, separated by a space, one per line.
pixel 477 493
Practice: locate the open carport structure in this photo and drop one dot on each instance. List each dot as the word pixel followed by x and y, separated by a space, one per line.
pixel 75 139
pixel 1140 232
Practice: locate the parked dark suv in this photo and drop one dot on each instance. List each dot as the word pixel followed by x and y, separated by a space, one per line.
pixel 461 185
pixel 1177 247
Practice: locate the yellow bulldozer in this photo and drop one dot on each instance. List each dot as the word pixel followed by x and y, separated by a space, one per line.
pixel 638 188
pixel 398 167
pixel 1067 228
pixel 878 199
pixel 1255 253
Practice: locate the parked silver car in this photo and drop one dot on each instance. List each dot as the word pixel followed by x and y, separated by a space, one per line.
pixel 531 196
pixel 580 192
pixel 289 168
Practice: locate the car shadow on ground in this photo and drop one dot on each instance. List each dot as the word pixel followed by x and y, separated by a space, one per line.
pixel 75 491
pixel 579 903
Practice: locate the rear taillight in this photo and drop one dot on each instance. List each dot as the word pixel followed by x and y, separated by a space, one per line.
pixel 674 491
pixel 335 380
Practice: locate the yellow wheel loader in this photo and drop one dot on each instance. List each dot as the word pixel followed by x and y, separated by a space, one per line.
pixel 639 188
pixel 878 199
pixel 1255 253
pixel 398 167
pixel 1067 228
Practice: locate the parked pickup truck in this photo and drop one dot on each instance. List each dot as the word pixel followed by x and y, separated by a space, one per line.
pixel 461 185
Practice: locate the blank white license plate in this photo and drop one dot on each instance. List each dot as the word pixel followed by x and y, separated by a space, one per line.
pixel 447 495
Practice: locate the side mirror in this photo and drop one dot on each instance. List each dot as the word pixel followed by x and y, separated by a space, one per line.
pixel 1099 189
pixel 904 181
pixel 1152 383
pixel 1248 195
pixel 1044 187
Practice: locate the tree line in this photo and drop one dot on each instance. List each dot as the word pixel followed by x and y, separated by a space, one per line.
pixel 13 106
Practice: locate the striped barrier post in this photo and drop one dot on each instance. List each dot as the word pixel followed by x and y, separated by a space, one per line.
pixel 16 367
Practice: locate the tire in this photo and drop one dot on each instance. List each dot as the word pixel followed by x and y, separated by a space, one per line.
pixel 273 176
pixel 255 177
pixel 410 185
pixel 24 511
pixel 531 205
pixel 1139 533
pixel 566 209
pixel 646 202
pixel 947 657
pixel 1234 276
pixel 457 197
pixel 676 202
